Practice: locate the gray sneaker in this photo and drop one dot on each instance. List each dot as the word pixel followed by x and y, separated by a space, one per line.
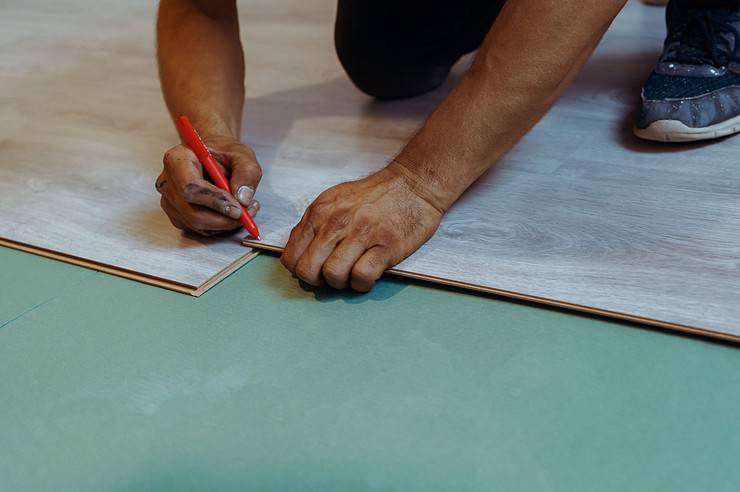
pixel 694 91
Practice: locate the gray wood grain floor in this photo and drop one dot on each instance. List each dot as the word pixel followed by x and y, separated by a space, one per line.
pixel 580 213
pixel 82 133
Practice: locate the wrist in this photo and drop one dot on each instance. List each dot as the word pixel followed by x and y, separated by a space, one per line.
pixel 423 184
pixel 449 152
pixel 218 140
pixel 214 128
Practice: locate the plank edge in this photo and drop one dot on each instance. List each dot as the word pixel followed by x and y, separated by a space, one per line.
pixel 193 290
pixel 544 300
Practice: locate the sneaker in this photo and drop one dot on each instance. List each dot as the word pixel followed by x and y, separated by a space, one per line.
pixel 694 91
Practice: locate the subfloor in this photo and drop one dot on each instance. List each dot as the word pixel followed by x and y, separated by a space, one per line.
pixel 110 385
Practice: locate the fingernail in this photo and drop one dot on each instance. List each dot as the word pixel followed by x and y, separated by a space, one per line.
pixel 233 212
pixel 244 194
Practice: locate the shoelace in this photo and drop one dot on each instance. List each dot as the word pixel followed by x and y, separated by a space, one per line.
pixel 707 37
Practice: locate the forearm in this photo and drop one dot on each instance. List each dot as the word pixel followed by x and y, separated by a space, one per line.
pixel 532 53
pixel 201 63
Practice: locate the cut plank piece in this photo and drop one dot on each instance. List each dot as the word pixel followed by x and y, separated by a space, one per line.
pixel 195 291
pixel 82 132
pixel 580 214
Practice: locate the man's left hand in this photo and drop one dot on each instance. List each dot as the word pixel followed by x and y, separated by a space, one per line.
pixel 354 231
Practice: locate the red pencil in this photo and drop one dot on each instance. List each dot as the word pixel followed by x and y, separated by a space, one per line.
pixel 211 166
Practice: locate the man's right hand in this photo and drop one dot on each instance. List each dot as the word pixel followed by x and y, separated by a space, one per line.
pixel 194 204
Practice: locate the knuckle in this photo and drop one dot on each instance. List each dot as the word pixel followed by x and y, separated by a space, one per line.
pixel 241 149
pixel 318 209
pixel 294 232
pixel 362 273
pixel 167 158
pixel 172 155
pixel 257 171
pixel 250 153
pixel 333 272
pixel 297 234
pixel 302 271
pixel 336 222
pixel 176 223
pixel 190 191
pixel 363 227
pixel 387 236
pixel 286 262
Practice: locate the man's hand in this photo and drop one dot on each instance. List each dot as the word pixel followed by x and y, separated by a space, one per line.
pixel 354 231
pixel 197 205
pixel 201 68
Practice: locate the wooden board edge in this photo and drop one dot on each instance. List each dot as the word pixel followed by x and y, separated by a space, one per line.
pixel 228 270
pixel 130 274
pixel 543 300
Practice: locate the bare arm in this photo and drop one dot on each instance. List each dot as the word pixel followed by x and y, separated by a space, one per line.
pixel 531 55
pixel 201 63
pixel 354 231
pixel 201 70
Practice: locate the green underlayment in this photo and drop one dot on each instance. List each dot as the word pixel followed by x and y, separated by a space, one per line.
pixel 110 385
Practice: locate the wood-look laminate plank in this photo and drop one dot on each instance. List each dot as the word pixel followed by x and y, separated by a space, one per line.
pixel 579 214
pixel 82 133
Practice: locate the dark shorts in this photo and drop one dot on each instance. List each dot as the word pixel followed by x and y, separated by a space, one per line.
pixel 400 48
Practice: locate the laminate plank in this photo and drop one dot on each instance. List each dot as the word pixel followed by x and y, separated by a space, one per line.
pixel 579 214
pixel 82 133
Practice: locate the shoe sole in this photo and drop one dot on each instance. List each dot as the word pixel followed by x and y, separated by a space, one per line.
pixel 676 131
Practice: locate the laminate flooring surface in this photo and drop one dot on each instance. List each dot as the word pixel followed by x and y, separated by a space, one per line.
pixel 580 213
pixel 82 133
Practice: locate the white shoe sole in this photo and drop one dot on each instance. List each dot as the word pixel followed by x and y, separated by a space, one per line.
pixel 676 131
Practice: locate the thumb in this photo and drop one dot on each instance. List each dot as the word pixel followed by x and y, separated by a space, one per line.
pixel 246 174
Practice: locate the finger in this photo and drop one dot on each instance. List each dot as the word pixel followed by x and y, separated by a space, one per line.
pixel 207 195
pixel 194 217
pixel 184 160
pixel 186 175
pixel 167 190
pixel 202 219
pixel 369 268
pixel 254 208
pixel 300 237
pixel 246 173
pixel 172 214
pixel 338 266
pixel 311 262
pixel 161 182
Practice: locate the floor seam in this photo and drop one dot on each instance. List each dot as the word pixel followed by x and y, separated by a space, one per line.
pixel 27 311
pixel 42 303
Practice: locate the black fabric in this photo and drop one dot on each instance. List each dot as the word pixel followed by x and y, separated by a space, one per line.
pixel 400 48
pixel 678 12
pixel 671 87
pixel 704 3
